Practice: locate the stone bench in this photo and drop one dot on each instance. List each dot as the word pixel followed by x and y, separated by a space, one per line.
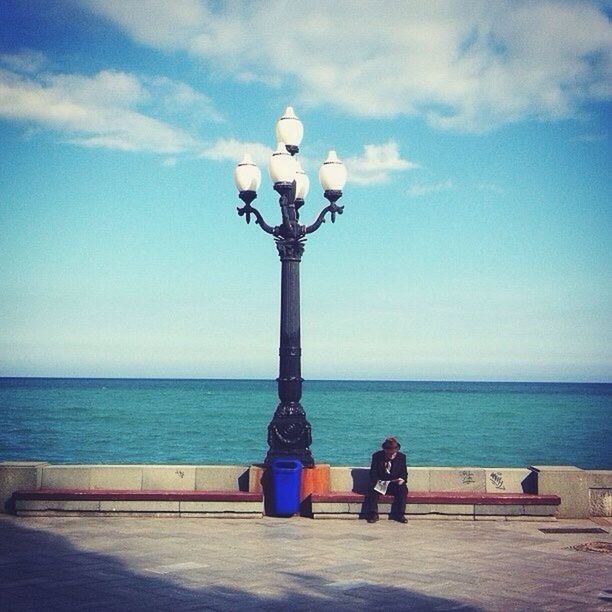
pixel 467 505
pixel 224 504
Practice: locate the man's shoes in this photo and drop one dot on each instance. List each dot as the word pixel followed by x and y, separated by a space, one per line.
pixel 401 519
pixel 372 519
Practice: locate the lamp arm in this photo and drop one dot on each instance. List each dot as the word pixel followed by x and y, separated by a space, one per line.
pixel 247 210
pixel 333 208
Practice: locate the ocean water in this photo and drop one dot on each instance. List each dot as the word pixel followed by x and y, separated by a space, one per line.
pixel 225 421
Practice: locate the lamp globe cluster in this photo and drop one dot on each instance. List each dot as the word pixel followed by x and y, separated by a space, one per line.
pixel 284 167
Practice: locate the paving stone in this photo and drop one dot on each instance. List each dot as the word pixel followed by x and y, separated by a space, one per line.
pixel 330 507
pixel 539 510
pixel 418 509
pixel 336 515
pixel 359 507
pixel 145 563
pixel 221 506
pixel 139 506
pixel 492 509
pixel 441 517
pixel 534 518
pixel 56 504
pixel 225 515
pixel 453 509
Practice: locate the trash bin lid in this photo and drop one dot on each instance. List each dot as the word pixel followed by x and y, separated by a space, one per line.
pixel 286 463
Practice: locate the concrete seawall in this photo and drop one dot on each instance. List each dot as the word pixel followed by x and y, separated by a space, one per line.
pixel 583 493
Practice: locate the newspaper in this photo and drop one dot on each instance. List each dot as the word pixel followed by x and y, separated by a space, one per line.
pixel 381 486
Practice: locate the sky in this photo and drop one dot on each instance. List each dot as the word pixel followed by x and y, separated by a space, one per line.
pixel 475 240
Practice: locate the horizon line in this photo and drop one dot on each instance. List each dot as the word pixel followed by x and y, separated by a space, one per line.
pixel 188 378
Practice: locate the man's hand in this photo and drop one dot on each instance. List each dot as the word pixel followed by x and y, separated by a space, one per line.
pixel 400 481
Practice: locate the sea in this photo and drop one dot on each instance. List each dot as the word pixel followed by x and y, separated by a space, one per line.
pixel 489 424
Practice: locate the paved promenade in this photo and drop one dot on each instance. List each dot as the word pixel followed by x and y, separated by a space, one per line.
pixel 145 563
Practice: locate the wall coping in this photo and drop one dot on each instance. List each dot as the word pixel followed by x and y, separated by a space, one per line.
pixel 537 468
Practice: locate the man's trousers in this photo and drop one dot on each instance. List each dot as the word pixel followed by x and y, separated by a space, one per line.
pixel 398 508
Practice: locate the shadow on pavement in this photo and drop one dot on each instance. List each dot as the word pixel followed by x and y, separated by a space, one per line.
pixel 40 570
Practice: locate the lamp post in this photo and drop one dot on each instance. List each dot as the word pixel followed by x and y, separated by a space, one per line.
pixel 289 432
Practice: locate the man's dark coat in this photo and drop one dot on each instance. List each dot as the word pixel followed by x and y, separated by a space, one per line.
pixel 398 467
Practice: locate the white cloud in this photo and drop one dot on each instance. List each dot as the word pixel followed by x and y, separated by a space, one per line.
pixel 422 189
pixel 233 150
pixel 110 109
pixel 376 164
pixel 155 22
pixel 466 67
pixel 176 97
pixel 106 88
pixel 26 60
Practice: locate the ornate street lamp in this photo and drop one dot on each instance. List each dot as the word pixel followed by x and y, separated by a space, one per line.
pixel 289 432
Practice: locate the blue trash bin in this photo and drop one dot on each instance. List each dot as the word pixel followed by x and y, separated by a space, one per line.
pixel 286 477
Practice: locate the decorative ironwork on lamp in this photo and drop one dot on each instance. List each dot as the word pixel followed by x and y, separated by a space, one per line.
pixel 289 432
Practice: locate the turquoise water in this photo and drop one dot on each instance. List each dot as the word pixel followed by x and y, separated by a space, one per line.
pixel 225 421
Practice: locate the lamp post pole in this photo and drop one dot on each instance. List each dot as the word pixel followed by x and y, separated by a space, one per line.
pixel 289 432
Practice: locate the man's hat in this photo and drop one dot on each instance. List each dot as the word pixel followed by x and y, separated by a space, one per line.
pixel 391 442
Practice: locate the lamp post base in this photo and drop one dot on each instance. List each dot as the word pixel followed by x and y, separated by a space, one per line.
pixel 303 455
pixel 289 434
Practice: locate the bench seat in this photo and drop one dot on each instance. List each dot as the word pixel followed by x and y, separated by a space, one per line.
pixel 465 504
pixel 230 504
pixel 242 504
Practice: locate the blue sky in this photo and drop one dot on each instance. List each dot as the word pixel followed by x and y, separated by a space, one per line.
pixel 475 242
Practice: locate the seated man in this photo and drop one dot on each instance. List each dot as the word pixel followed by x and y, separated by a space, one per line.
pixel 388 465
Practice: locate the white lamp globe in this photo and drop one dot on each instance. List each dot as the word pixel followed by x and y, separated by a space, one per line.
pixel 332 173
pixel 302 183
pixel 282 165
pixel 247 176
pixel 289 128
